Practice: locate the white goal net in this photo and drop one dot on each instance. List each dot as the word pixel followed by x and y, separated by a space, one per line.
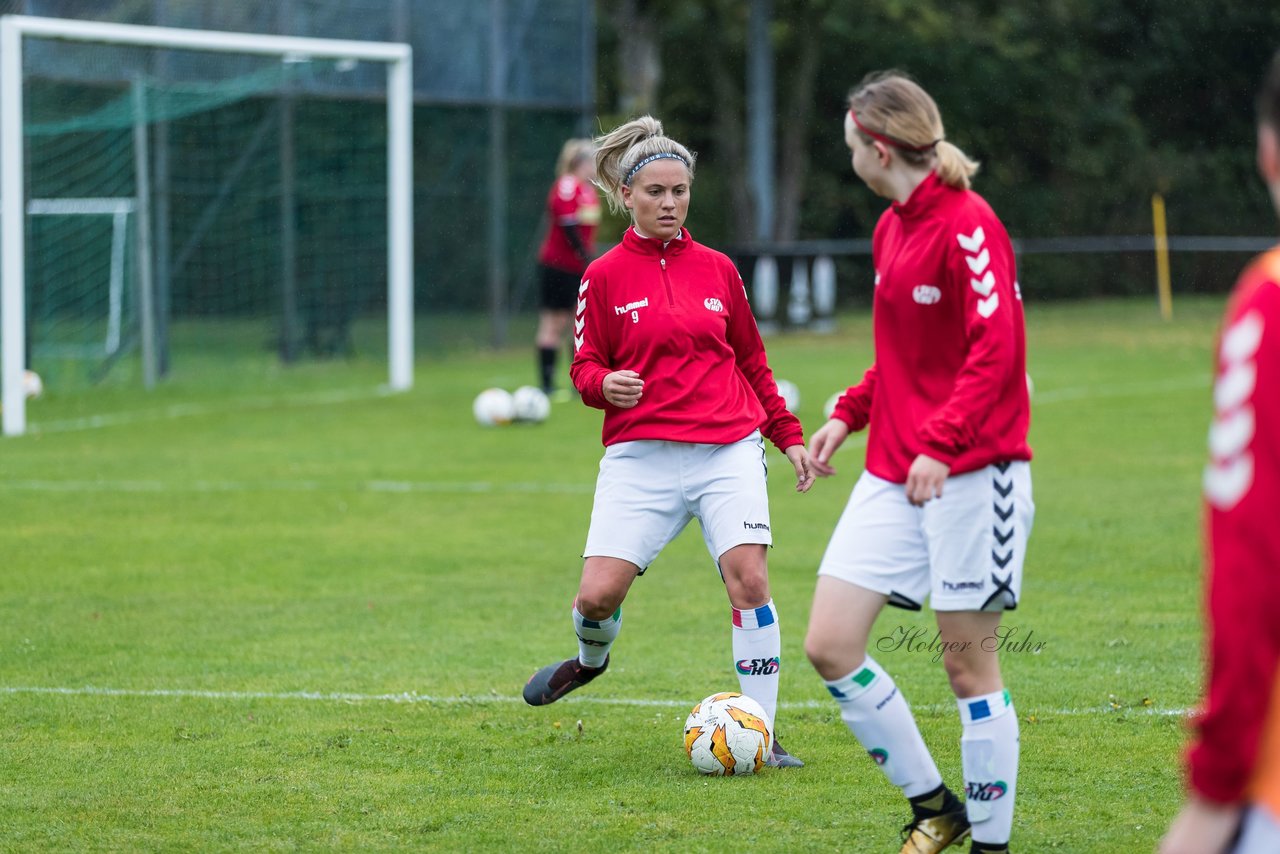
pixel 159 183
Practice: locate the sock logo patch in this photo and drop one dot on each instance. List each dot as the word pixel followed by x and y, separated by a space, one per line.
pixel 758 666
pixel 879 754
pixel 979 710
pixel 986 791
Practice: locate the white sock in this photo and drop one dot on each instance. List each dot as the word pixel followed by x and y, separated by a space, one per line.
pixel 757 655
pixel 878 715
pixel 989 755
pixel 595 637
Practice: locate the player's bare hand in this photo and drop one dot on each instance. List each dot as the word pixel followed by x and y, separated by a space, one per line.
pixel 804 468
pixel 824 443
pixel 623 388
pixel 925 479
pixel 1201 827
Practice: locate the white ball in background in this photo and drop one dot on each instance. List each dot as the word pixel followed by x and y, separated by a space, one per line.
pixel 1031 387
pixel 493 406
pixel 790 394
pixel 829 408
pixel 531 404
pixel 32 385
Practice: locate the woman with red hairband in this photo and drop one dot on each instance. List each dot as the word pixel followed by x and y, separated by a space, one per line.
pixel 667 346
pixel 944 506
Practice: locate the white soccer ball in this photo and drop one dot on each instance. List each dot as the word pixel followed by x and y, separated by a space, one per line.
pixel 493 406
pixel 829 408
pixel 531 404
pixel 790 394
pixel 728 734
pixel 32 385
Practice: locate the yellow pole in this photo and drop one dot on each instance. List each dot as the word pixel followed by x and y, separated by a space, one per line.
pixel 1163 288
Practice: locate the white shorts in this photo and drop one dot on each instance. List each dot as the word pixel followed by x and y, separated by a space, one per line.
pixel 1259 832
pixel 964 550
pixel 648 491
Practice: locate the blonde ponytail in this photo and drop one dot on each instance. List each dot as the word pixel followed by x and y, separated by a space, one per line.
pixel 620 151
pixel 893 108
pixel 955 168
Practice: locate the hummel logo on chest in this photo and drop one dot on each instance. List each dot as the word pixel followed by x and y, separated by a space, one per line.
pixel 631 306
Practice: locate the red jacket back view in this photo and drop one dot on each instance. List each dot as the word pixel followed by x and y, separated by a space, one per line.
pixel 677 315
pixel 949 380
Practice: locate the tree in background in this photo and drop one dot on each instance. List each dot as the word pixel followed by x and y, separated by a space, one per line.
pixel 1079 110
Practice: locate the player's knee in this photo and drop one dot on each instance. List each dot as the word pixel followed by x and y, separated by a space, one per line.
pixel 830 659
pixel 598 602
pixel 819 653
pixel 969 677
pixel 750 592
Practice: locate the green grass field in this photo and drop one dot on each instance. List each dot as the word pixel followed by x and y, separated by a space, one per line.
pixel 269 609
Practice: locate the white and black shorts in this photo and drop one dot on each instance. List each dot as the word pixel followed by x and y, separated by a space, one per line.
pixel 963 550
pixel 647 492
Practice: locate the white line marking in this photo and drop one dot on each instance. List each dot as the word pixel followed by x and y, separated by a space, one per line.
pixel 494 699
pixel 187 410
pixel 210 486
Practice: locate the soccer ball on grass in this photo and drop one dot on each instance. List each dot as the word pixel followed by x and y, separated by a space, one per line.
pixel 531 404
pixel 493 406
pixel 728 734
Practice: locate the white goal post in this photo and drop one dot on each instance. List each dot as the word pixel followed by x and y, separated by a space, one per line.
pixel 399 61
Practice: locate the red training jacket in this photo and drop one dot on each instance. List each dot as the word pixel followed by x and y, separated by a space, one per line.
pixel 1237 751
pixel 570 202
pixel 949 379
pixel 678 316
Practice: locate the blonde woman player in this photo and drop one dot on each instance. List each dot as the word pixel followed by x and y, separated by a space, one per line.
pixel 668 347
pixel 574 211
pixel 944 507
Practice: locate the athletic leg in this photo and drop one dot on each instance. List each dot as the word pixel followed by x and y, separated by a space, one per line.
pixel 977 536
pixel 635 514
pixel 597 619
pixel 552 324
pixel 989 744
pixel 870 703
pixel 877 556
pixel 757 640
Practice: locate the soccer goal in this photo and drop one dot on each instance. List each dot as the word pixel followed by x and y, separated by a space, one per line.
pixel 159 182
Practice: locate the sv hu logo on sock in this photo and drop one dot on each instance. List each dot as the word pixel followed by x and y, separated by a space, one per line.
pixel 986 791
pixel 879 754
pixel 758 666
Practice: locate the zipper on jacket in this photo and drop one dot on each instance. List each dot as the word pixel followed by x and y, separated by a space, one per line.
pixel 671 299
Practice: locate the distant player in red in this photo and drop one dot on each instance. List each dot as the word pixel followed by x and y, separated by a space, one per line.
pixel 1234 763
pixel 574 212
pixel 944 507
pixel 668 347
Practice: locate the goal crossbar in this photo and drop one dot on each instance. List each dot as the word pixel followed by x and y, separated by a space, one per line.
pixel 399 61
